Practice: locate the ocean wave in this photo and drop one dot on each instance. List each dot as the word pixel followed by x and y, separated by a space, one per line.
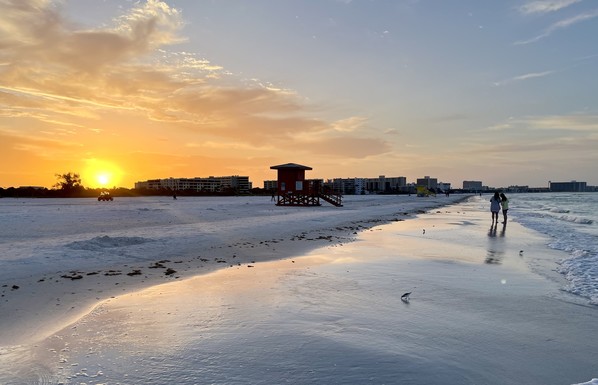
pixel 581 270
pixel 105 241
pixel 593 381
pixel 570 222
pixel 575 219
pixel 565 218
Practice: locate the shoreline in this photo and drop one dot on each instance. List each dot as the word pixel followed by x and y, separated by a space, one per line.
pixel 44 303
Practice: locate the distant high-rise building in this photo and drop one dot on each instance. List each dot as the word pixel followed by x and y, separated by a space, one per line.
pixel 472 185
pixel 427 182
pixel 572 186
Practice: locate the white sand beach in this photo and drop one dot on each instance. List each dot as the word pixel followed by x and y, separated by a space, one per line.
pixel 58 258
pixel 306 296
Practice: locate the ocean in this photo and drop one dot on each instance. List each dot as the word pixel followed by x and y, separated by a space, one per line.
pixel 571 222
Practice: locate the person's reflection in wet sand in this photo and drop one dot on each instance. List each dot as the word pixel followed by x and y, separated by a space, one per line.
pixel 492 231
pixel 495 251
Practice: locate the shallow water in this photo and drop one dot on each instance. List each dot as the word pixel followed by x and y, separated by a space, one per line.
pixel 336 317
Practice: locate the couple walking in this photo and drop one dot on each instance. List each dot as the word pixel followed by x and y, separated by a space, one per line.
pixel 496 202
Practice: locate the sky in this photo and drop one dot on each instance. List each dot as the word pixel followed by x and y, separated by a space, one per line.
pixel 118 91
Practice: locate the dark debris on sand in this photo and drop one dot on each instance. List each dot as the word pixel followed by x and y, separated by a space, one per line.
pixel 72 275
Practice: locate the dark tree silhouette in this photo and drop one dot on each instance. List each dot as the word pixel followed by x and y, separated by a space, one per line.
pixel 69 184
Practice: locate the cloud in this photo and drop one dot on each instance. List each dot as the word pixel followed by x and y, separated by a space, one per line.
pixel 345 147
pixel 544 139
pixel 531 75
pixel 546 6
pixel 533 140
pixel 499 127
pixel 350 124
pixel 46 146
pixel 64 68
pixel 35 31
pixel 563 24
pixel 71 93
pixel 564 122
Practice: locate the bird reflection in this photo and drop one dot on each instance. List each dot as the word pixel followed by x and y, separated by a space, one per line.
pixel 494 257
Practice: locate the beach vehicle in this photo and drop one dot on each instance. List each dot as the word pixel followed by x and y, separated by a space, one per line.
pixel 424 192
pixel 105 196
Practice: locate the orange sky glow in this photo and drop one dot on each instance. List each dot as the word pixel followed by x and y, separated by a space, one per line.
pixel 146 93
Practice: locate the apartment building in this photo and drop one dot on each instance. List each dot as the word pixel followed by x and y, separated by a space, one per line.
pixel 212 184
pixel 427 182
pixel 572 186
pixel 270 185
pixel 472 185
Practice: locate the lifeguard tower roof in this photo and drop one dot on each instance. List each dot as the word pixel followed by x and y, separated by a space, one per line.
pixel 291 166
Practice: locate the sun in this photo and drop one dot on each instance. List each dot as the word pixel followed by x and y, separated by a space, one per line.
pixel 101 174
pixel 103 179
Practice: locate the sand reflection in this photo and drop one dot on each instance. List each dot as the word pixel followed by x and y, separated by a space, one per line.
pixel 495 251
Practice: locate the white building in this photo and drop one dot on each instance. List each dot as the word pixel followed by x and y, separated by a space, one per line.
pixel 240 184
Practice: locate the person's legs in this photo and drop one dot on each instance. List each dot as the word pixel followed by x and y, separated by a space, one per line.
pixel 504 214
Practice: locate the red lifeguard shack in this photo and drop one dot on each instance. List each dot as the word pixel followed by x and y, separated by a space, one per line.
pixel 294 190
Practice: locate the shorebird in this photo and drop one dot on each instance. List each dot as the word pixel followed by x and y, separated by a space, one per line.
pixel 405 297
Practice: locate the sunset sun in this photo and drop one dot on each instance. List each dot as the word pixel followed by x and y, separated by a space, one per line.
pixel 101 174
pixel 103 179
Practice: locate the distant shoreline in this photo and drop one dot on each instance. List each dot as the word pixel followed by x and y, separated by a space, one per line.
pixel 28 193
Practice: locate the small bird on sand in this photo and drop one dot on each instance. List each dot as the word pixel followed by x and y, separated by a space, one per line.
pixel 424 231
pixel 405 297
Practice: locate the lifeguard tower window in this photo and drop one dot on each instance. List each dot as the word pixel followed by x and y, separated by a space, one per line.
pixel 283 186
pixel 299 185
